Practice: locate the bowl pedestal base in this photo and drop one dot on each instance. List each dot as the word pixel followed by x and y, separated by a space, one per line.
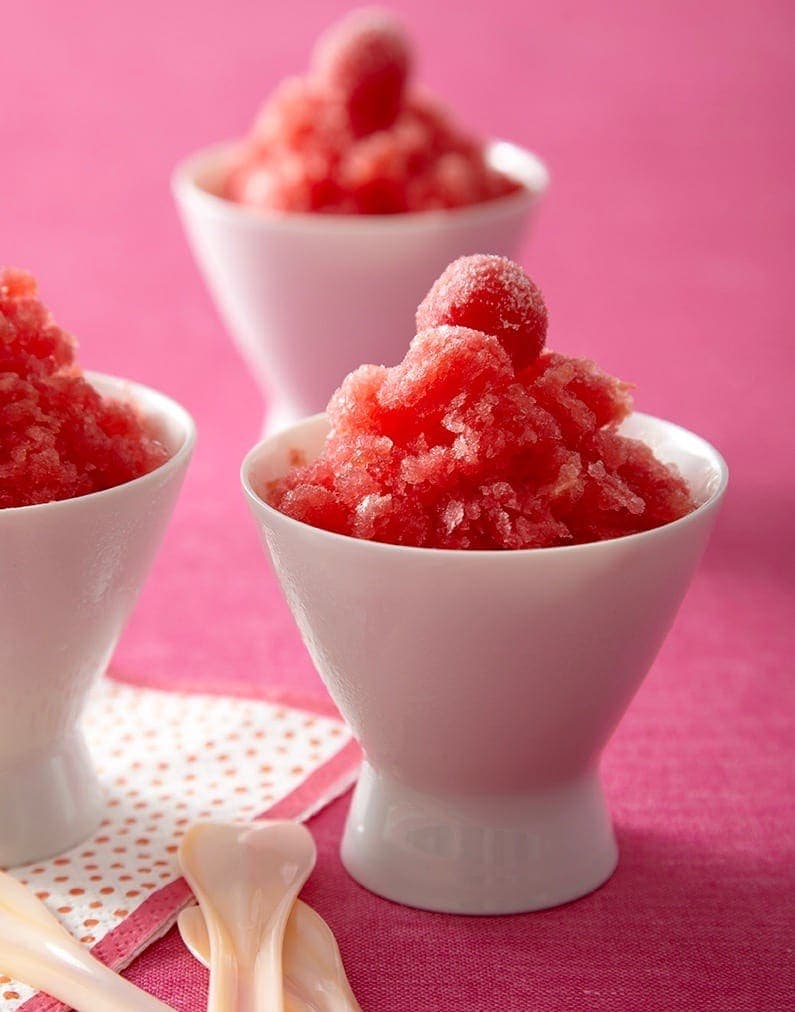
pixel 48 802
pixel 476 854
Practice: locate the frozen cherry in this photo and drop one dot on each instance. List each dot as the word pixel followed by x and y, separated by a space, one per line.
pixel 494 295
pixel 366 58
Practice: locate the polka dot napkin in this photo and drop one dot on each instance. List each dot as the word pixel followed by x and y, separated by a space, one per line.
pixel 167 760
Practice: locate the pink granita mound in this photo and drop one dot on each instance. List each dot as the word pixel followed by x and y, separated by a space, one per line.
pixel 457 448
pixel 353 136
pixel 59 438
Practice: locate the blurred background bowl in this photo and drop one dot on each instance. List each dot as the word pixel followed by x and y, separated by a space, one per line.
pixel 308 297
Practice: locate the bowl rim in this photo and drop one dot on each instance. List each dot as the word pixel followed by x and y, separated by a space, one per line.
pixel 257 503
pixel 153 402
pixel 186 190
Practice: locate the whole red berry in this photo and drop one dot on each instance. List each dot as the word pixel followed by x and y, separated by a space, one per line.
pixel 366 59
pixel 491 294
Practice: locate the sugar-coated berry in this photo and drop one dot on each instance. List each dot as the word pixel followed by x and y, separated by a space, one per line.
pixel 494 295
pixel 366 59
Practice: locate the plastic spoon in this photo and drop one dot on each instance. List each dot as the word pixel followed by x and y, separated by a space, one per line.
pixel 246 879
pixel 314 976
pixel 37 950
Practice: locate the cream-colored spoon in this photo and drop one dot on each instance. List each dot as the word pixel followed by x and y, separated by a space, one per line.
pixel 314 976
pixel 37 950
pixel 246 879
pixel 193 932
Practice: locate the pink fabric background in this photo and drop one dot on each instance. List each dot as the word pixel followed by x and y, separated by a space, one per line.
pixel 665 250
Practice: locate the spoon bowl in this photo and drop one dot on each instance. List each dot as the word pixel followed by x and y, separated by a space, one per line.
pixel 246 879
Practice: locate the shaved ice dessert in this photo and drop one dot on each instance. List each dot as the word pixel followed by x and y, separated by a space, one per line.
pixel 480 438
pixel 354 136
pixel 59 437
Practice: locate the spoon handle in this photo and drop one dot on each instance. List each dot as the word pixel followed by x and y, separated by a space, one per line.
pixel 314 977
pixel 52 961
pixel 241 988
pixel 222 995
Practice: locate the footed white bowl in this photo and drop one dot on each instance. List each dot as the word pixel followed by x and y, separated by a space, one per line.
pixel 483 686
pixel 70 573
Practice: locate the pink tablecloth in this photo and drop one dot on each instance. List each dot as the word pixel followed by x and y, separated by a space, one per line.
pixel 665 250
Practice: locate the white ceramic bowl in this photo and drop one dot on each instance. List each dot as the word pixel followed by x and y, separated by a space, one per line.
pixel 483 686
pixel 70 573
pixel 308 297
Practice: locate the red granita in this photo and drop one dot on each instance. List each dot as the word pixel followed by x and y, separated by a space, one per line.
pixel 457 447
pixel 353 136
pixel 59 437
